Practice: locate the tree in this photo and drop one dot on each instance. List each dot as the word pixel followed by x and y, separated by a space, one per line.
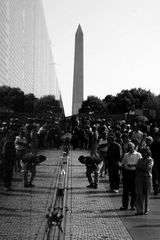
pixel 29 101
pixel 125 101
pixel 47 106
pixel 129 100
pixel 93 106
pixel 111 104
pixel 4 90
pixel 16 100
pixel 12 98
pixel 142 97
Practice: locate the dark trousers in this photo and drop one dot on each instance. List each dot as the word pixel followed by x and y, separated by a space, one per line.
pixel 32 170
pixel 94 179
pixel 143 188
pixel 8 173
pixel 114 178
pixel 156 178
pixel 129 188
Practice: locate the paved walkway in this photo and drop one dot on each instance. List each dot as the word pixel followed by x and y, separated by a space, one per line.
pixel 23 210
pixel 94 214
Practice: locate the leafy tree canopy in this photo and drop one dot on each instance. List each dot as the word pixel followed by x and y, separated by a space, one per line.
pixel 14 99
pixel 93 105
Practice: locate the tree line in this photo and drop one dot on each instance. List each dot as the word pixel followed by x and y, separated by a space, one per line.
pixel 13 100
pixel 124 102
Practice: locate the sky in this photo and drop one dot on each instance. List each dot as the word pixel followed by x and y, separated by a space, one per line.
pixel 121 45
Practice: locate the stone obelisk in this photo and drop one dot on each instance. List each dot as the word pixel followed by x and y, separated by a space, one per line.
pixel 78 72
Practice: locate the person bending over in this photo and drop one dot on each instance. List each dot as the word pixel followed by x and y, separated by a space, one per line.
pixel 92 168
pixel 29 163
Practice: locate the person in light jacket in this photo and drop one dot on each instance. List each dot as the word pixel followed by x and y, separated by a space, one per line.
pixel 143 181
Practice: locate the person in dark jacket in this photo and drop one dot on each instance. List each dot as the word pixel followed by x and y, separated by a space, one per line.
pixel 114 154
pixel 9 159
pixel 91 164
pixel 155 150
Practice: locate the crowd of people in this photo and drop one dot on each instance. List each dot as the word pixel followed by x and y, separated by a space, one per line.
pixel 19 146
pixel 127 153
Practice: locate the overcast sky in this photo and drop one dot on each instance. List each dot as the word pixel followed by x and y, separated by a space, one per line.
pixel 121 45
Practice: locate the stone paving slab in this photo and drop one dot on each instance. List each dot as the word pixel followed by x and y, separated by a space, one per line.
pixel 91 214
pixel 95 214
pixel 23 211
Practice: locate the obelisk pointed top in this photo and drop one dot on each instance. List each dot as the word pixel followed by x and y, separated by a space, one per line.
pixel 79 30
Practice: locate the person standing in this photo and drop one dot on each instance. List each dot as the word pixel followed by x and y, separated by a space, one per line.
pixel 155 150
pixel 21 146
pixel 94 141
pixel 9 159
pixel 126 141
pixel 34 140
pixel 114 154
pixel 102 149
pixel 136 135
pixel 129 163
pixel 143 181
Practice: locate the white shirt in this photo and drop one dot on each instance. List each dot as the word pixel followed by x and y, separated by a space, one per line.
pixel 103 141
pixel 130 160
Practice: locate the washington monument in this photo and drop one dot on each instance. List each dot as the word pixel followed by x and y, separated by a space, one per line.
pixel 78 72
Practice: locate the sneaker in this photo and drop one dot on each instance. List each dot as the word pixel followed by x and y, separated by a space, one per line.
pixel 146 213
pixel 95 186
pixel 116 191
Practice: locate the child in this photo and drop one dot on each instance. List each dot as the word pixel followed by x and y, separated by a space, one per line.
pixel 91 164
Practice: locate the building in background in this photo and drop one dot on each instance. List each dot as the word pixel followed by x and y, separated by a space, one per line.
pixel 26 59
pixel 78 72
